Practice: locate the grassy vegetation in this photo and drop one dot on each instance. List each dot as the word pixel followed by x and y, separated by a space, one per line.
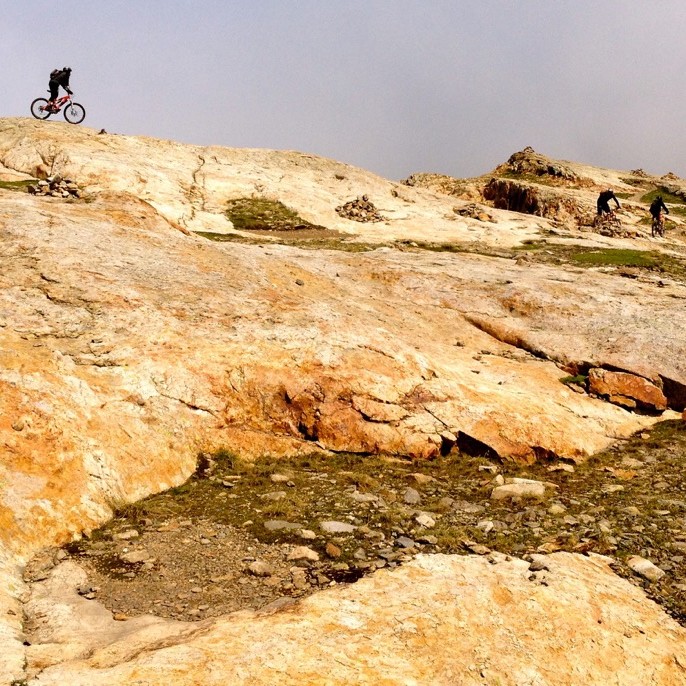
pixel 250 214
pixel 335 242
pixel 666 196
pixel 617 257
pixel 578 380
pixel 16 185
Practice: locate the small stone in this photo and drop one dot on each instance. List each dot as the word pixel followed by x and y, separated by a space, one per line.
pixel 421 479
pixel 645 568
pixel 485 525
pixel 612 488
pixel 279 478
pixel 135 556
pixel 527 490
pixel 363 497
pixel 303 553
pixel 491 468
pixel 412 496
pixel 476 548
pixel 332 550
pixel 119 617
pixel 425 520
pixel 299 282
pixel 360 554
pixel 18 424
pixel 307 534
pixel 196 589
pixel 538 563
pixel 260 568
pixel 404 542
pixel 332 527
pixel 562 467
pixel 631 510
pixel 557 509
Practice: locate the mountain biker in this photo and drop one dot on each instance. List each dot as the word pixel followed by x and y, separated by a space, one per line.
pixel 58 77
pixel 657 206
pixel 603 203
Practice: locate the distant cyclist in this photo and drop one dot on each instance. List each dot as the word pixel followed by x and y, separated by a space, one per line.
pixel 603 203
pixel 657 206
pixel 58 77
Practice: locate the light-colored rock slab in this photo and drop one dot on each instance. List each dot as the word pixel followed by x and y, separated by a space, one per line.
pixel 439 620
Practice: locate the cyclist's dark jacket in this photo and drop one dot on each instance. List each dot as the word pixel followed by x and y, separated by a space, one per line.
pixel 603 203
pixel 58 77
pixel 656 206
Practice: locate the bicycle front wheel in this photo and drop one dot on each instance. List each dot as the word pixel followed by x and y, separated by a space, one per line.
pixel 39 108
pixel 74 113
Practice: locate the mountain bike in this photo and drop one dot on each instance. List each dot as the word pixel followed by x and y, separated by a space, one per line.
pixel 74 113
pixel 658 227
pixel 609 222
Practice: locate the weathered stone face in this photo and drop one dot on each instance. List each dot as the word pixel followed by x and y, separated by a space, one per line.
pixel 437 620
pixel 625 389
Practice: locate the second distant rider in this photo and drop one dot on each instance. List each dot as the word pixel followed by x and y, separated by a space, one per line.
pixel 58 77
pixel 603 203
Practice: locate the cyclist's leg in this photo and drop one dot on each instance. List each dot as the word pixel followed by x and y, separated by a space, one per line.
pixel 54 91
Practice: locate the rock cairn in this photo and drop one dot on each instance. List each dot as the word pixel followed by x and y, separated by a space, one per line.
pixel 56 187
pixel 360 210
pixel 473 211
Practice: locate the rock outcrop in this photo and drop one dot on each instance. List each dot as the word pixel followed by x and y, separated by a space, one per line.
pixel 128 345
pixel 438 620
pixel 519 196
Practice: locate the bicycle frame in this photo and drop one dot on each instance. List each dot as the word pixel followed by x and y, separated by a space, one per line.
pixel 60 102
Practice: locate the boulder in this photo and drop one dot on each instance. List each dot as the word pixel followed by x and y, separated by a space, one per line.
pixel 628 390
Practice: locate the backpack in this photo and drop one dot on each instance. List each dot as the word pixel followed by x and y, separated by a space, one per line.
pixel 54 74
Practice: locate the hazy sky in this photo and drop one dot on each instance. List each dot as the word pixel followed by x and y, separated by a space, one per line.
pixel 394 86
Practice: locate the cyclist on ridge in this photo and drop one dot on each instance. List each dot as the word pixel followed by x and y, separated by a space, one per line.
pixel 603 202
pixel 58 77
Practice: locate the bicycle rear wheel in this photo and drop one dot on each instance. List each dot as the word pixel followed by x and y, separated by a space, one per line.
pixel 38 108
pixel 74 113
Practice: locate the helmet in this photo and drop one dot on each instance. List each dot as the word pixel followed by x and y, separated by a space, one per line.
pixel 66 69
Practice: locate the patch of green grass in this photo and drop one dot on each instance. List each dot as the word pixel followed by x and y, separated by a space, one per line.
pixel 16 185
pixel 249 214
pixel 616 257
pixel 334 243
pixel 578 380
pixel 666 196
pixel 624 196
pixel 531 244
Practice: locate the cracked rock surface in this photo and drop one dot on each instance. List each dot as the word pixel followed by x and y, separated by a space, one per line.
pixel 129 344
